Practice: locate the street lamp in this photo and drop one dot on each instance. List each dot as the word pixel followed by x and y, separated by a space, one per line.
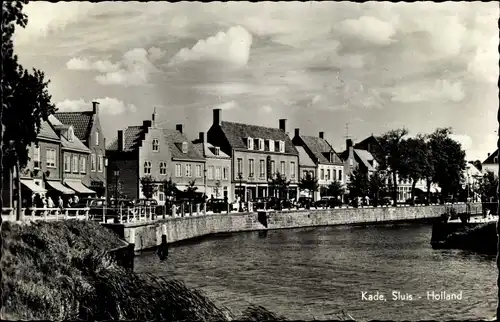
pixel 116 173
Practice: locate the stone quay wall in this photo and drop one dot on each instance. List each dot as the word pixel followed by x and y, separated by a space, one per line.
pixel 147 235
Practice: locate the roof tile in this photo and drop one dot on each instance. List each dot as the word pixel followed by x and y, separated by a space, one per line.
pixel 81 121
pixel 318 146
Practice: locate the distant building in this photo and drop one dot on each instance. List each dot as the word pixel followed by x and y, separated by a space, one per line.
pixel 87 128
pixel 329 167
pixel 217 171
pixel 491 163
pixel 147 150
pixel 257 153
pixel 358 159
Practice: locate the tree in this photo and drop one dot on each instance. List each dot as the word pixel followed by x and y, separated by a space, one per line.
pixel 377 187
pixel 416 162
pixel 280 183
pixel 358 184
pixel 117 188
pixel 391 144
pixel 308 182
pixel 191 189
pixel 169 188
pixel 25 99
pixel 488 187
pixel 335 189
pixel 448 160
pixel 148 186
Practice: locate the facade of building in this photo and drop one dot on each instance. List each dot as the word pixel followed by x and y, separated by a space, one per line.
pixel 148 150
pixel 329 165
pixel 257 154
pixel 491 163
pixel 87 128
pixel 217 171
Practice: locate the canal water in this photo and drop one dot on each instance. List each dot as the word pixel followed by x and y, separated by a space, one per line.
pixel 316 272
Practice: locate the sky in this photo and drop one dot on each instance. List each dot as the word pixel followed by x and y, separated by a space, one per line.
pixel 338 67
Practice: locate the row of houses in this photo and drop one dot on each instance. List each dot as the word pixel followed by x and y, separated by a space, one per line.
pixel 68 159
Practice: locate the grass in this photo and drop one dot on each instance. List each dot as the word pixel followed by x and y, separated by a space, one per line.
pixel 61 271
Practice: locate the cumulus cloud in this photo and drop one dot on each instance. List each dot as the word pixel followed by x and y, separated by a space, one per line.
pixel 107 106
pixel 440 90
pixel 463 139
pixel 368 28
pixel 232 46
pixel 134 69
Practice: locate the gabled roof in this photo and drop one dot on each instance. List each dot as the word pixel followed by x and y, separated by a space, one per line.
pixel 175 139
pixel 237 133
pixel 132 137
pixel 304 158
pixel 317 146
pixel 490 159
pixel 82 122
pixel 74 144
pixel 208 150
pixel 366 158
pixel 47 131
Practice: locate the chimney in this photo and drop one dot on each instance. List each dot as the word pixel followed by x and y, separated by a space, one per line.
pixel 321 135
pixel 153 117
pixel 283 125
pixel 121 141
pixel 201 137
pixel 95 107
pixel 146 123
pixel 178 127
pixel 297 132
pixel 217 116
pixel 348 143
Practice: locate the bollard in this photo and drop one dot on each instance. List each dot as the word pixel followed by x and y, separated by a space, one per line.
pixel 150 214
pixel 205 208
pixel 45 215
pixel 173 210
pixel 87 214
pixel 197 209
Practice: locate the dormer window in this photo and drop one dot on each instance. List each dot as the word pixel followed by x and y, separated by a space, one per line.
pixel 271 145
pixel 184 147
pixel 261 144
pixel 250 143
pixel 282 146
pixel 217 150
pixel 70 134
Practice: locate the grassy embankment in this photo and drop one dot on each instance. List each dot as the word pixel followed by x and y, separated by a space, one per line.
pixel 481 239
pixel 60 271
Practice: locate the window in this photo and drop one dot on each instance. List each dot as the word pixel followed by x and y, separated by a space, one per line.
pixel 189 173
pixel 240 167
pixel 262 168
pixel 218 173
pixel 261 144
pixel 163 168
pixel 184 147
pixel 51 158
pixel 101 163
pixel 271 145
pixel 198 171
pixel 311 173
pixel 93 162
pixel 250 167
pixel 217 150
pixel 340 175
pixel 283 170
pixel 147 167
pixel 282 146
pixel 210 172
pixel 334 174
pixel 225 172
pixel 156 145
pixel 327 174
pixel 273 168
pixel 36 157
pixel 96 138
pixel 292 169
pixel 322 174
pixel 67 163
pixel 83 164
pixel 75 163
pixel 250 143
pixel 178 170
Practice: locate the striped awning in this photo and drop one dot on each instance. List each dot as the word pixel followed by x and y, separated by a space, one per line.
pixel 30 184
pixel 78 186
pixel 60 187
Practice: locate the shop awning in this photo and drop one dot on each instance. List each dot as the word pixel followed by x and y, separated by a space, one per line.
pixel 30 184
pixel 60 187
pixel 78 186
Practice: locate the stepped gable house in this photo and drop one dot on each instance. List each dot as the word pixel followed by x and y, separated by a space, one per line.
pixel 329 166
pixel 257 153
pixel 147 150
pixel 87 128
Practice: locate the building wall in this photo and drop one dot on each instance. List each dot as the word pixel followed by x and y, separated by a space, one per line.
pixel 83 176
pixel 97 146
pixel 333 169
pixel 257 156
pixel 54 172
pixel 225 183
pixel 127 164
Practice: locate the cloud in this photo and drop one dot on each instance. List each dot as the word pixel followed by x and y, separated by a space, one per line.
pixel 463 139
pixel 227 106
pixel 232 46
pixel 107 106
pixel 368 28
pixel 441 90
pixel 84 63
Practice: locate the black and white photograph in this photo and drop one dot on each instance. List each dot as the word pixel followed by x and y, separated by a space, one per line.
pixel 250 161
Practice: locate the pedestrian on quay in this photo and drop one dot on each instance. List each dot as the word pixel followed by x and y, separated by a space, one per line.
pixel 50 202
pixel 76 199
pixel 60 202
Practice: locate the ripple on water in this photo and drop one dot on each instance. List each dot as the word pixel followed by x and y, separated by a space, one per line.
pixel 315 272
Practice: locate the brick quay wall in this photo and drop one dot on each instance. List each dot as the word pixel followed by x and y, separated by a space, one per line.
pixel 147 235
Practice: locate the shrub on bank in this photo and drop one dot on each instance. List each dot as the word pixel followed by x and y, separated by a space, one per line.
pixel 481 239
pixel 61 271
